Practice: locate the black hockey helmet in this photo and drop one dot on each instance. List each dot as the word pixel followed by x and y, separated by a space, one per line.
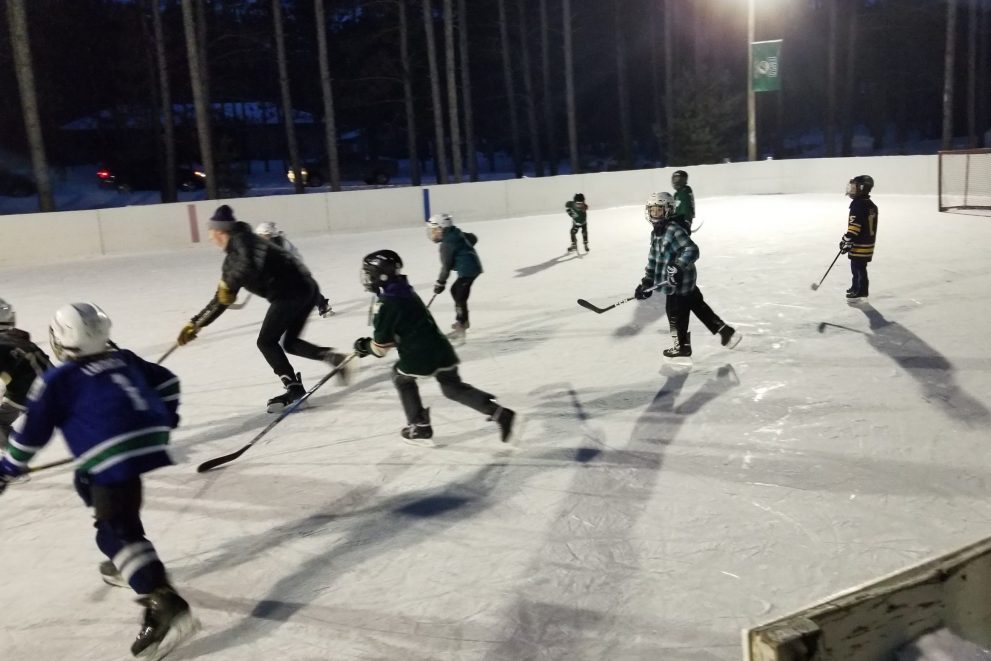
pixel 679 179
pixel 860 186
pixel 579 197
pixel 380 268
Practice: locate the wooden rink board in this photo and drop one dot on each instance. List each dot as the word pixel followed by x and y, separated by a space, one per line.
pixel 871 622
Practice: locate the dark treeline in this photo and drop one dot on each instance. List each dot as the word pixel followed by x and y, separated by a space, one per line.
pixel 655 81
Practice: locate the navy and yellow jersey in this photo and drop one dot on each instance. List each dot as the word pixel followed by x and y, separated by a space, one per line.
pixel 578 211
pixel 862 228
pixel 403 322
pixel 115 412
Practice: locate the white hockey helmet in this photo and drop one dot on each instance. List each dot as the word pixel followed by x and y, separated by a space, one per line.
pixel 78 330
pixel 267 230
pixel 7 317
pixel 441 220
pixel 664 201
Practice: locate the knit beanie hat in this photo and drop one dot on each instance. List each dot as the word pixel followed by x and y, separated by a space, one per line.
pixel 222 219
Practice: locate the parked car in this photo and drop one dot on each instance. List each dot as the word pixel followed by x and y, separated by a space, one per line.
pixel 16 185
pixel 127 176
pixel 378 171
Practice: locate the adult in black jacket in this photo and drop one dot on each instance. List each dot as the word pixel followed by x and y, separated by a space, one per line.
pixel 270 272
pixel 21 361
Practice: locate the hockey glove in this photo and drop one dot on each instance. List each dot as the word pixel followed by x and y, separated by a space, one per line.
pixel 643 290
pixel 673 276
pixel 439 287
pixel 846 244
pixel 187 334
pixel 363 346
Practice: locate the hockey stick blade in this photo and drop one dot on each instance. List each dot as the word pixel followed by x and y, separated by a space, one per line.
pixel 210 464
pixel 588 306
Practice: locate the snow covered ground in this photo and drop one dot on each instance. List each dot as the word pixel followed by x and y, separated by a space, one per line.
pixel 643 515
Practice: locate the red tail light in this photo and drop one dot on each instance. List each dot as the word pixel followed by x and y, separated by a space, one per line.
pixel 103 174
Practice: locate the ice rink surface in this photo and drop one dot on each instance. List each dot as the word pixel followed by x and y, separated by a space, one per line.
pixel 642 516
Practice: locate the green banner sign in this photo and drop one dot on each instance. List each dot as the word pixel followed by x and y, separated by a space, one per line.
pixel 767 65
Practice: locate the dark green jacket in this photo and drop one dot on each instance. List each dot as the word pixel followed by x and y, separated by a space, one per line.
pixel 403 321
pixel 578 212
pixel 457 253
pixel 684 207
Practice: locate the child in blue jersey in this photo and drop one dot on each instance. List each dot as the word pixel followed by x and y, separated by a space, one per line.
pixel 115 411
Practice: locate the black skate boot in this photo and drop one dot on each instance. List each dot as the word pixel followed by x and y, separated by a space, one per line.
pixel 294 391
pixel 586 246
pixel 458 333
pixel 111 576
pixel 334 359
pixel 323 308
pixel 682 347
pixel 508 423
pixel 167 623
pixel 573 247
pixel 728 336
pixel 419 432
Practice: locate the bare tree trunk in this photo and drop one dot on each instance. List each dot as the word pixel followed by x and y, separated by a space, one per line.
pixel 452 89
pixel 287 114
pixel 622 91
pixel 550 131
pixel 569 88
pixel 21 43
pixel 983 84
pixel 201 39
pixel 201 100
pixel 413 152
pixel 327 92
pixel 466 91
pixel 531 94
pixel 850 83
pixel 972 75
pixel 669 80
pixel 165 95
pixel 655 84
pixel 830 132
pixel 948 70
pixel 507 70
pixel 440 150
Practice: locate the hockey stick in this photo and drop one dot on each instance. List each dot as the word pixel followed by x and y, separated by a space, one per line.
pixel 816 286
pixel 175 345
pixel 51 464
pixel 210 464
pixel 597 310
pixel 431 300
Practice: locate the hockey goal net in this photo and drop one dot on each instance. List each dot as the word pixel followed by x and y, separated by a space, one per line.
pixel 965 179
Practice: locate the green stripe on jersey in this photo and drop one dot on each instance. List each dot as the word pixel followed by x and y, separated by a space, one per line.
pixel 127 447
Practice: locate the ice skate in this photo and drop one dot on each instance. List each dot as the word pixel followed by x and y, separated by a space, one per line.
pixel 728 336
pixel 294 391
pixel 324 309
pixel 586 246
pixel 680 355
pixel 111 576
pixel 346 374
pixel 510 424
pixel 458 334
pixel 573 248
pixel 419 432
pixel 168 622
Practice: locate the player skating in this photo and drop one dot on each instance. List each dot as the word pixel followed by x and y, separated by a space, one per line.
pixel 684 200
pixel 457 253
pixel 272 273
pixel 577 210
pixel 858 242
pixel 402 321
pixel 671 269
pixel 115 412
pixel 272 233
pixel 21 362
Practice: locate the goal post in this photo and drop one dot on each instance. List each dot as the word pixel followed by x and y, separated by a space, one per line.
pixel 965 179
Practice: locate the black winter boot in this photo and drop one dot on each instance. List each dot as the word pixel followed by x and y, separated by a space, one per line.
pixel 294 391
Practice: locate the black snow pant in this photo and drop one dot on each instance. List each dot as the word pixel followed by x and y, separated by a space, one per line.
pixel 460 291
pixel 120 533
pixel 680 307
pixel 451 386
pixel 858 267
pixel 574 233
pixel 285 320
